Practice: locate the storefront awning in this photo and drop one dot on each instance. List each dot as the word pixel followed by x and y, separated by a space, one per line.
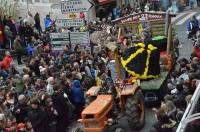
pixel 101 2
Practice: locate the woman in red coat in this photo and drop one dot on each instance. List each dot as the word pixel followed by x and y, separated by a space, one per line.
pixel 5 64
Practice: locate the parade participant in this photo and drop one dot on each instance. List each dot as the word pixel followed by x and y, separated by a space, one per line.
pixel 192 27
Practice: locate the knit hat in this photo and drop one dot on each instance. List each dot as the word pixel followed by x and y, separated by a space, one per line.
pixel 21 126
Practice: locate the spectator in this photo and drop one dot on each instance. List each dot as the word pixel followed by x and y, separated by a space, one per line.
pixel 30 19
pixel 7 60
pixel 37 23
pixel 18 48
pixel 5 20
pixel 21 109
pixel 192 27
pixel 11 24
pixel 64 108
pixel 52 114
pixel 77 97
pixel 164 124
pixel 2 123
pixel 47 22
pixel 49 88
pixel 179 99
pixel 38 117
pixel 7 37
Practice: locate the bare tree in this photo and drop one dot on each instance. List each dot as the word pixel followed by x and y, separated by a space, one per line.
pixel 9 7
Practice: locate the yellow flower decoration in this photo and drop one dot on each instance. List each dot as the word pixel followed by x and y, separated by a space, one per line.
pixel 139 51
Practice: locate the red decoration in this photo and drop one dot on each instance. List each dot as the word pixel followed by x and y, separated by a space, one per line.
pixel 82 15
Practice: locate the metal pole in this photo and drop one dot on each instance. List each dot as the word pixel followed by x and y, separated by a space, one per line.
pixel 169 39
pixel 166 22
pixel 189 110
pixel 27 5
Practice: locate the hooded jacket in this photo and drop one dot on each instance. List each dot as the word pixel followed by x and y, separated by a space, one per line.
pixel 77 94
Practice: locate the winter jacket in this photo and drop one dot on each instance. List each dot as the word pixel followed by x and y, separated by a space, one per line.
pixel 35 67
pixel 23 114
pixel 47 23
pixel 38 119
pixel 5 64
pixel 192 25
pixel 64 109
pixel 196 52
pixel 18 46
pixel 29 50
pixel 77 94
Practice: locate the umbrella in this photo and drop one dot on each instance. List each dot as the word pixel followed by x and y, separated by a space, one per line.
pixel 142 61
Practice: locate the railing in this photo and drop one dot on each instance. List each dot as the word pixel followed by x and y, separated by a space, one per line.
pixel 188 115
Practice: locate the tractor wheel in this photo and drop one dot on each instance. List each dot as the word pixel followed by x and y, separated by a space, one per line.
pixel 77 128
pixel 117 128
pixel 134 110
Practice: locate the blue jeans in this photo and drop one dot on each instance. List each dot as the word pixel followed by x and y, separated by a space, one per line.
pixel 112 68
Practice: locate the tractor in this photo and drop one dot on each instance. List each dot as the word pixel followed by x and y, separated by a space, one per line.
pixel 114 107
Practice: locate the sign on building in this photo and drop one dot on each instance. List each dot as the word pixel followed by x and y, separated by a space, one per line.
pixel 75 6
pixel 69 22
pixel 59 40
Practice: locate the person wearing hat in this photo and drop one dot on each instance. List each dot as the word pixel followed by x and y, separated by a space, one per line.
pixel 21 127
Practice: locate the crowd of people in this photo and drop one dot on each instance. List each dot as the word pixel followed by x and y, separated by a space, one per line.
pixel 48 94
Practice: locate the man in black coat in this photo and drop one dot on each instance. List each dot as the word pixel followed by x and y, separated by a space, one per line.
pixel 37 23
pixel 38 117
pixel 21 109
pixel 64 109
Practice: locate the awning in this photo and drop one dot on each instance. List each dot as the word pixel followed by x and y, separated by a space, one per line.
pixel 101 2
